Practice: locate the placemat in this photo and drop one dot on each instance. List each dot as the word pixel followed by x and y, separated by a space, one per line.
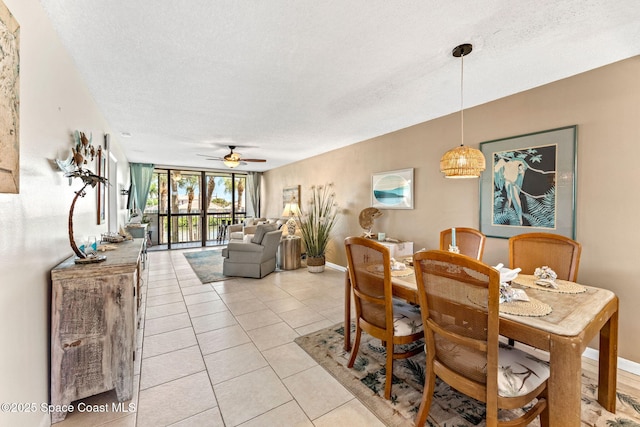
pixel 531 308
pixel 379 269
pixel 564 286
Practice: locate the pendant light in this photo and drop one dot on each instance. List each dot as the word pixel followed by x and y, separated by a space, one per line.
pixel 462 162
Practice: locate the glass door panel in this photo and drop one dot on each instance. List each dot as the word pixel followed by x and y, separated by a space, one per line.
pixel 185 208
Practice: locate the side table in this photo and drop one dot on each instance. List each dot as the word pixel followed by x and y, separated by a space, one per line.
pixel 289 253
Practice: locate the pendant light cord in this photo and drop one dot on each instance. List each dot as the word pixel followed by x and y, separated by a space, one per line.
pixel 462 100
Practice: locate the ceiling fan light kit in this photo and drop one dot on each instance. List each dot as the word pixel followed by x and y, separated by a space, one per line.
pixel 462 162
pixel 233 160
pixel 230 163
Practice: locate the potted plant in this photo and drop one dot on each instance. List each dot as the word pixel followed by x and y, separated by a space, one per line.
pixel 316 222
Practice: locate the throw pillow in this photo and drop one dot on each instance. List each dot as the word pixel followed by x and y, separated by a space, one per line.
pixel 261 231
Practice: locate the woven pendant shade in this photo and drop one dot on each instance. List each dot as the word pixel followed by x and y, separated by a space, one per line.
pixel 462 162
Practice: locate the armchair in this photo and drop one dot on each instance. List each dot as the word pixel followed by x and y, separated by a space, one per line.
pixel 255 258
pixel 238 232
pixel 244 231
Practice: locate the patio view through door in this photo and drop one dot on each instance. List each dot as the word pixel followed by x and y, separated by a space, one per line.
pixel 189 208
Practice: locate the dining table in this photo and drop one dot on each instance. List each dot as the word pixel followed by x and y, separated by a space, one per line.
pixel 575 319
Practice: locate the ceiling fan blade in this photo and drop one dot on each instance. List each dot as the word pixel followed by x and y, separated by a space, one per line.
pixel 253 160
pixel 210 157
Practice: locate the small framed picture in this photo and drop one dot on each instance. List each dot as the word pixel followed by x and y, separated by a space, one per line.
pixel 291 195
pixel 392 189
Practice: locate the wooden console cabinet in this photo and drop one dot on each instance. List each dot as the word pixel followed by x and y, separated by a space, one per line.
pixel 93 326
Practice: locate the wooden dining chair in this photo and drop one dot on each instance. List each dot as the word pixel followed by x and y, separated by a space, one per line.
pixel 469 240
pixel 531 250
pixel 393 321
pixel 459 298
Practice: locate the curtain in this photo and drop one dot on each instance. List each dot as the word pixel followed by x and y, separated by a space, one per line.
pixel 253 186
pixel 141 175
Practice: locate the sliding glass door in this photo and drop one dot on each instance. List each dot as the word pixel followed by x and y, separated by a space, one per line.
pixel 194 208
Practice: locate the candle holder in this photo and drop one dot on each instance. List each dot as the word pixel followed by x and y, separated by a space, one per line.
pixel 454 249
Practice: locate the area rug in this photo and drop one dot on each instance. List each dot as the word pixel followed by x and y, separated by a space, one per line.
pixel 449 408
pixel 207 265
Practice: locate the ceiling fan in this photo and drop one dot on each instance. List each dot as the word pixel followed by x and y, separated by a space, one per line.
pixel 232 159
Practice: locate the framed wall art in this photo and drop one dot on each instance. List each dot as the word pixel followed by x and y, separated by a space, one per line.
pixel 291 195
pixel 101 171
pixel 392 189
pixel 9 102
pixel 529 184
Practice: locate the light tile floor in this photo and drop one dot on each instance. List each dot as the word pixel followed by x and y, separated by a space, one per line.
pixel 222 354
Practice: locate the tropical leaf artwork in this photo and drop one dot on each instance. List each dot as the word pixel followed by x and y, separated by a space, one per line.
pixel 524 187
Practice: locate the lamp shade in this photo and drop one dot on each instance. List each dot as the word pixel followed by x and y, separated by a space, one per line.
pixel 291 209
pixel 462 162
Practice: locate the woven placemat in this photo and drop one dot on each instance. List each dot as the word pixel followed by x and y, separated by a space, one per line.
pixel 378 269
pixel 531 308
pixel 564 286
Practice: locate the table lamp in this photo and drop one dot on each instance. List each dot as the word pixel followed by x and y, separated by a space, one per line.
pixel 291 210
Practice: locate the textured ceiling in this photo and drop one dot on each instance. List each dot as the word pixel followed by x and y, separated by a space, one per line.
pixel 288 79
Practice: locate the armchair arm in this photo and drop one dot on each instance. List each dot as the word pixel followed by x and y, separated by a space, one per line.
pixel 244 247
pixel 235 227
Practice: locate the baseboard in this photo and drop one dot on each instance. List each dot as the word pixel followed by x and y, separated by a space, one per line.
pixel 623 364
pixel 589 353
pixel 336 266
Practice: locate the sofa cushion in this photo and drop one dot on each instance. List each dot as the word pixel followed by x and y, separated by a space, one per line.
pixel 261 230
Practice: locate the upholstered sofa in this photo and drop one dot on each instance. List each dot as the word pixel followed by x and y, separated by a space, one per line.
pixel 244 231
pixel 255 258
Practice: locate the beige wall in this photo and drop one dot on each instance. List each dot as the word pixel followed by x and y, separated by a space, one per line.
pixel 33 224
pixel 605 105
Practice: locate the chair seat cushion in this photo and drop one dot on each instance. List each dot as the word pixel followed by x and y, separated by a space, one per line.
pixel 519 372
pixel 407 319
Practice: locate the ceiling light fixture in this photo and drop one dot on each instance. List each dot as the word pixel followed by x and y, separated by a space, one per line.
pixel 230 163
pixel 462 162
pixel 231 160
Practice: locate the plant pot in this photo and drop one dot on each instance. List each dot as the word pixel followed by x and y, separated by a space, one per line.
pixel 315 264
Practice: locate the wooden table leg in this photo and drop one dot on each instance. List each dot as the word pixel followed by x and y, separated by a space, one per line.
pixel 347 312
pixel 608 364
pixel 564 385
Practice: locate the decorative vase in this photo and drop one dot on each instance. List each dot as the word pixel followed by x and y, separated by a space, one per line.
pixel 315 264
